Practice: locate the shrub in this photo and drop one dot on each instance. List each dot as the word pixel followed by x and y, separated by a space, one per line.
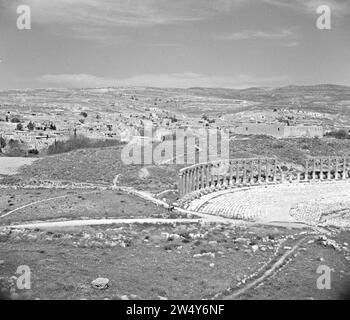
pixel 2 142
pixel 33 152
pixel 19 127
pixel 84 114
pixel 15 120
pixel 15 149
pixel 338 134
pixel 80 142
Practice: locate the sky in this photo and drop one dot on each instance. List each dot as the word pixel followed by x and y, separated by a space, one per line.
pixel 173 43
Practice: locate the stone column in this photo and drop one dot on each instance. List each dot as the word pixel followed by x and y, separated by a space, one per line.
pixel 336 169
pixel 329 169
pixel 194 179
pixel 231 173
pixel 251 176
pixel 216 175
pixel 189 183
pixel 314 168
pixel 198 174
pixel 203 176
pixel 207 172
pixel 237 172
pixel 259 170
pixel 211 175
pixel 224 176
pixel 267 171
pixel 180 185
pixel 274 171
pixel 321 169
pixel 244 171
pixel 344 168
pixel 306 170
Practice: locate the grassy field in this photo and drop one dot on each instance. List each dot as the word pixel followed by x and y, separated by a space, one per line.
pixel 74 204
pixel 144 262
pixel 99 166
pixel 298 278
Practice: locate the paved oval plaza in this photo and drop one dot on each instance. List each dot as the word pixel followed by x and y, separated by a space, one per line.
pixel 304 202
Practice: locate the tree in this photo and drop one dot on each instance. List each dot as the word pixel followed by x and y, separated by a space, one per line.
pixel 19 127
pixel 15 120
pixel 30 126
pixel 2 143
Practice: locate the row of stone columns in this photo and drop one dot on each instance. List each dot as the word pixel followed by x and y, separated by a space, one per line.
pixel 229 173
pixel 255 171
pixel 340 167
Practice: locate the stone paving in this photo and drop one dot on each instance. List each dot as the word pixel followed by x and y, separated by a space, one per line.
pixel 305 202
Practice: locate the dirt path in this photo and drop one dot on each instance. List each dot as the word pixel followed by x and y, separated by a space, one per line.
pixel 95 222
pixel 270 269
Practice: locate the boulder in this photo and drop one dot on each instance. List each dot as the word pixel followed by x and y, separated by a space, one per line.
pixel 255 247
pixel 100 283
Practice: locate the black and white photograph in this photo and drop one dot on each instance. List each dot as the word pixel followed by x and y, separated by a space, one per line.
pixel 158 152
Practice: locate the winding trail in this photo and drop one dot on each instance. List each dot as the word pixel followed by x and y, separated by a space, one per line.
pixel 36 202
pixel 228 295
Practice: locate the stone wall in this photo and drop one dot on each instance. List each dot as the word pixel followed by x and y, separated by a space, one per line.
pixel 279 130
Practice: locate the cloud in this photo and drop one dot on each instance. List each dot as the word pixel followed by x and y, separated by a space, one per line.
pixel 248 34
pixel 130 13
pixel 74 81
pixel 172 80
pixel 285 38
pixel 103 19
pixel 338 7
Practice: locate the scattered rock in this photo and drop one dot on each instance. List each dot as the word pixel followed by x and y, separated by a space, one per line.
pixel 2 262
pixel 14 296
pixel 205 254
pixel 329 243
pixel 124 297
pixel 255 247
pixel 162 298
pixel 143 173
pixel 212 265
pixel 100 283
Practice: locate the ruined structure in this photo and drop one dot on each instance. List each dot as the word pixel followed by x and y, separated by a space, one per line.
pixel 244 172
pixel 279 130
